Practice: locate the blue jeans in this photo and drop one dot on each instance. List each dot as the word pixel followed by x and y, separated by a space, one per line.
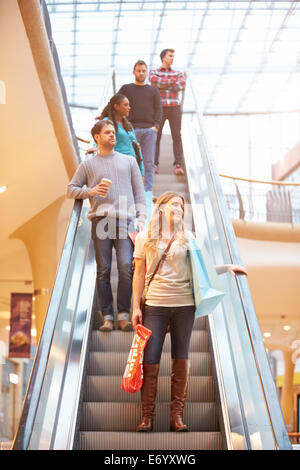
pixel 103 254
pixel 147 141
pixel 181 321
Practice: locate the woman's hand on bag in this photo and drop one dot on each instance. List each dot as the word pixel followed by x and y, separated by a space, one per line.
pixel 235 269
pixel 136 317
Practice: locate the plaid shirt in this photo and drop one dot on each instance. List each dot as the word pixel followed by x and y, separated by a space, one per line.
pixel 169 82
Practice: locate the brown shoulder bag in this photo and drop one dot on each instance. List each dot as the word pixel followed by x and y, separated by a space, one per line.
pixel 162 259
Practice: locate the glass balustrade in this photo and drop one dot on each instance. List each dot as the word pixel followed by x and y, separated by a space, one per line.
pixel 261 201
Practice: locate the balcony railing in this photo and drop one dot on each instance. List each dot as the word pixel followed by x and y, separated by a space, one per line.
pixel 262 201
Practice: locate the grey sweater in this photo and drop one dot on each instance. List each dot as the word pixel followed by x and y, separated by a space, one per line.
pixel 126 196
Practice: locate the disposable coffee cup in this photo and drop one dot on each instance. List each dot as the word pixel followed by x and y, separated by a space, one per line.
pixel 107 182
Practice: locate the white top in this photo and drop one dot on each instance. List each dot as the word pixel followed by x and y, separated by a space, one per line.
pixel 172 285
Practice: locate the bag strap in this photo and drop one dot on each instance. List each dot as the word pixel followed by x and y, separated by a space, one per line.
pixel 162 259
pixel 135 144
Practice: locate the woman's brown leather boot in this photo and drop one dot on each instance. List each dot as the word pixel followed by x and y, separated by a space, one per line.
pixel 179 382
pixel 148 395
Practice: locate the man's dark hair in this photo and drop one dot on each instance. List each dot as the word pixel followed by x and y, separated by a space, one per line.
pixel 96 129
pixel 140 62
pixel 164 51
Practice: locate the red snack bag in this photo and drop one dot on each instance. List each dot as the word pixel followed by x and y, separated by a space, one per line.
pixel 132 236
pixel 132 380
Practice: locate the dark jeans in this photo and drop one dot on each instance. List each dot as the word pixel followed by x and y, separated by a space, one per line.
pixel 181 321
pixel 103 254
pixel 173 114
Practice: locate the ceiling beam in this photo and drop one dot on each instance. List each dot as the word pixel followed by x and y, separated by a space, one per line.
pixel 158 30
pixel 176 5
pixel 116 29
pixel 198 35
pixel 229 53
pixel 266 52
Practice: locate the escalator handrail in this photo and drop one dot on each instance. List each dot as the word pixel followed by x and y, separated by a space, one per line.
pixel 31 400
pixel 233 424
pixel 110 80
pixel 68 404
pixel 30 404
pixel 34 388
pixel 267 383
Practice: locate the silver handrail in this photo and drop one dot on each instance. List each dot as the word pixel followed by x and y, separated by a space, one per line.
pixel 34 388
pixel 261 361
pixel 110 83
pixel 234 429
pixel 68 407
pixel 33 393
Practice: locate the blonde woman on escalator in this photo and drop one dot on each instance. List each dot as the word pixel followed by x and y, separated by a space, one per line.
pixel 169 302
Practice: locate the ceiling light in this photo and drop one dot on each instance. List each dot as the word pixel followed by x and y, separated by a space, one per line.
pixel 3 189
pixel 286 327
pixel 267 334
pixel 14 379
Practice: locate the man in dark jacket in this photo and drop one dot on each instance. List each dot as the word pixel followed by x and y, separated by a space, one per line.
pixel 145 116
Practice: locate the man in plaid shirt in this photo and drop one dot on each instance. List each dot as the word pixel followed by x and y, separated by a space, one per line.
pixel 169 82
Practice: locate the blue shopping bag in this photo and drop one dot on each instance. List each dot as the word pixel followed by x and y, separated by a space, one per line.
pixel 149 204
pixel 206 285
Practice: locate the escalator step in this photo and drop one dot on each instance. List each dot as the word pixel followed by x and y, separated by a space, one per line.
pixel 114 363
pixel 108 389
pixel 151 441
pixel 121 341
pixel 167 169
pixel 160 187
pixel 199 323
pixel 126 416
pixel 169 179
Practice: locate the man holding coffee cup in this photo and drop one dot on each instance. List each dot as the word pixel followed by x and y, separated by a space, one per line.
pixel 113 183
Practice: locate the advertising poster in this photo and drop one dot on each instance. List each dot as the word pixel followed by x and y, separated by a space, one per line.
pixel 20 325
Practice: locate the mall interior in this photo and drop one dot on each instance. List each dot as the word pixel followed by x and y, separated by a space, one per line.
pixel 60 63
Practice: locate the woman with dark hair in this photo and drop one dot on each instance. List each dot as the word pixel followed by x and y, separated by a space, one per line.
pixel 117 111
pixel 169 302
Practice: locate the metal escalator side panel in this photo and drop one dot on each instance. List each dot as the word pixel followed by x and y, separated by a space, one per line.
pixel 264 395
pixel 231 423
pixel 256 399
pixel 68 413
pixel 66 353
pixel 262 363
pixel 232 415
pixel 36 380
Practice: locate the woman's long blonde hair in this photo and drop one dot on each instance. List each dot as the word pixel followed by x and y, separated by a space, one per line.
pixel 156 221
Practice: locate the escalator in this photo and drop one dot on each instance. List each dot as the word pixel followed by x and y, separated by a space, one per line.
pixel 74 400
pixel 109 416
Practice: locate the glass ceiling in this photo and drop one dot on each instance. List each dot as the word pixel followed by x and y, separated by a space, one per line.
pixel 245 54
